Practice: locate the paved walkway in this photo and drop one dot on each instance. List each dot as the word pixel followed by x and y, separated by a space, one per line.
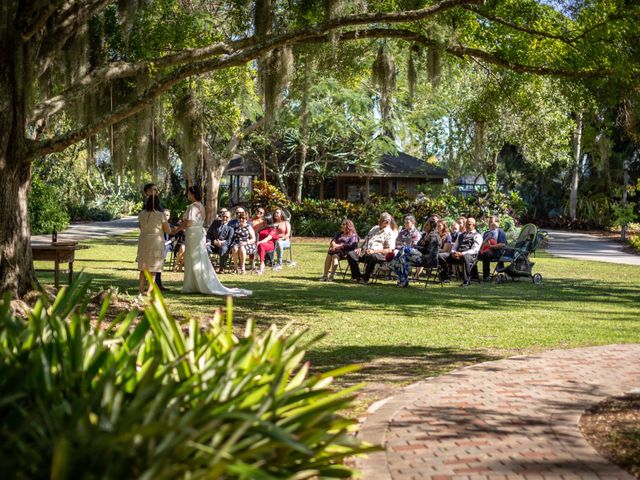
pixel 510 419
pixel 86 231
pixel 583 246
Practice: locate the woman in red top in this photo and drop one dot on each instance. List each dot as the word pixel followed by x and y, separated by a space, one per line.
pixel 267 238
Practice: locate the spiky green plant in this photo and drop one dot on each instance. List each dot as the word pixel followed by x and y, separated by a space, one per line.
pixel 148 399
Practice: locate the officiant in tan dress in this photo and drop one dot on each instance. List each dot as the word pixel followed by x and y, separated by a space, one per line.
pixel 151 254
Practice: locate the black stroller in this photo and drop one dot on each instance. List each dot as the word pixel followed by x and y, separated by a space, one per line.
pixel 516 261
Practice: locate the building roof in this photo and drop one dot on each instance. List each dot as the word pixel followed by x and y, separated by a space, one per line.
pixel 402 165
pixel 399 165
pixel 243 167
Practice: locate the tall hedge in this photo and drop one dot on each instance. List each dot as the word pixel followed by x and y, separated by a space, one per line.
pixel 321 218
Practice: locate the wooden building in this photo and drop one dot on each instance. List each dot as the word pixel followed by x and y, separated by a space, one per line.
pixel 400 171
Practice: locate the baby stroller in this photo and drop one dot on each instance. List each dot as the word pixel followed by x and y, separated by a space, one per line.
pixel 516 261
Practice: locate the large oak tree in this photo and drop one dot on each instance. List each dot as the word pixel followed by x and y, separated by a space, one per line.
pixel 42 82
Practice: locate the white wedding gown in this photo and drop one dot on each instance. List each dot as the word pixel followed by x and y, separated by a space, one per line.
pixel 199 275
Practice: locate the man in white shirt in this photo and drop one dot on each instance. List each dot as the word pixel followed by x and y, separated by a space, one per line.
pixel 376 245
pixel 464 251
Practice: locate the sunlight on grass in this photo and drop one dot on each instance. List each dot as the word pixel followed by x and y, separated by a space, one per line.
pixel 407 334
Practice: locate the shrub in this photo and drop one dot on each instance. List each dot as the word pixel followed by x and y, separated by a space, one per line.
pixel 634 241
pixel 46 212
pixel 322 217
pixel 177 204
pixel 147 398
pixel 267 196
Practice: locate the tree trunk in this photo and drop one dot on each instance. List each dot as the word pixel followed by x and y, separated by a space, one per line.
pixel 16 262
pixel 573 195
pixel 623 229
pixel 304 131
pixel 214 171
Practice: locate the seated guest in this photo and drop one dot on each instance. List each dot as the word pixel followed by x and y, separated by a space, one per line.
pixel 221 234
pixel 423 254
pixel 243 243
pixel 455 231
pixel 443 235
pixel 395 231
pixel 465 251
pixel 283 227
pixel 213 228
pixel 257 221
pixel 493 242
pixel 234 222
pixel 216 223
pixel 377 244
pixel 267 238
pixel 409 235
pixel 341 244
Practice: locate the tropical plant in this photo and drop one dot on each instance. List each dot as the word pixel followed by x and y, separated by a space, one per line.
pixel 148 398
pixel 267 196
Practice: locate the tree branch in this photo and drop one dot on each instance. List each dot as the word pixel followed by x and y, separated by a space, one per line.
pixel 520 28
pixel 457 50
pixel 67 22
pixel 252 52
pixel 117 70
pixel 125 69
pixel 41 19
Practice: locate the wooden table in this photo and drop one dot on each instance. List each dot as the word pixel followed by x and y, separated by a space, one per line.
pixel 57 253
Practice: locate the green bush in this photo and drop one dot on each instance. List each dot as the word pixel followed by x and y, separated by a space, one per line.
pixel 148 398
pixel 46 212
pixel 634 241
pixel 322 217
pixel 267 196
pixel 177 204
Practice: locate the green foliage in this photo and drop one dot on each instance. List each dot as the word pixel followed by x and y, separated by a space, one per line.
pixel 624 214
pixel 176 203
pixel 322 217
pixel 267 196
pixel 634 241
pixel 46 213
pixel 148 398
pixel 80 190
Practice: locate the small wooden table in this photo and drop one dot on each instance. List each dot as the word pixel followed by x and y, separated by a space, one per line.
pixel 63 252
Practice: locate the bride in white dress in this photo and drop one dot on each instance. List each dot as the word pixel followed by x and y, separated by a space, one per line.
pixel 199 275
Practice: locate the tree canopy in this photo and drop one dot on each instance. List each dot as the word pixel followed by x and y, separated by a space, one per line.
pixel 123 75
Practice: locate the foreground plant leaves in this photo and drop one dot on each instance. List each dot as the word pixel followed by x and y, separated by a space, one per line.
pixel 146 399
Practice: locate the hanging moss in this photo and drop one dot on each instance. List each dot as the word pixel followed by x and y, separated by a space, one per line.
pixel 275 73
pixel 187 114
pixel 412 72
pixel 434 65
pixel 333 9
pixel 384 76
pixel 479 133
pixel 262 17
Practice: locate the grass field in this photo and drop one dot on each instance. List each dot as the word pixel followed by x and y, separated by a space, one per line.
pixel 404 335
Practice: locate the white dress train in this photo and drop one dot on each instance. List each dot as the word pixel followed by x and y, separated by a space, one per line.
pixel 199 275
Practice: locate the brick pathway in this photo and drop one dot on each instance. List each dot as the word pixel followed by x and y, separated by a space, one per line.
pixel 508 419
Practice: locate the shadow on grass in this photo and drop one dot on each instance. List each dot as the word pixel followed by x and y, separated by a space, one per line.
pixel 289 296
pixel 394 364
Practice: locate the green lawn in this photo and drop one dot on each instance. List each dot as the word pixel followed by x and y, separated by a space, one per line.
pixel 403 335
